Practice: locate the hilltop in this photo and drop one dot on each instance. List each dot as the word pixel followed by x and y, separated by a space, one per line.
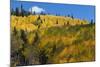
pixel 33 22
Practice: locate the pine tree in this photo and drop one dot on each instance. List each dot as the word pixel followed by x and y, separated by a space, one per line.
pixel 68 15
pixel 12 12
pixel 23 36
pixel 22 11
pixel 36 38
pixel 38 21
pixel 17 11
pixel 72 17
pixel 91 21
pixel 15 31
pixel 39 17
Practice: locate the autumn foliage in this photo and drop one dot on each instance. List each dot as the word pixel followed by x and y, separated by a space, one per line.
pixel 49 39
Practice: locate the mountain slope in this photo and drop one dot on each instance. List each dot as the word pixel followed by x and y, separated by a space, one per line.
pixel 33 22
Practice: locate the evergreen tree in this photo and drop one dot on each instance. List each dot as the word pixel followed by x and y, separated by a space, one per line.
pixel 38 21
pixel 22 11
pixel 68 15
pixel 15 31
pixel 12 12
pixel 72 17
pixel 17 11
pixel 39 17
pixel 23 36
pixel 42 13
pixel 91 21
pixel 36 38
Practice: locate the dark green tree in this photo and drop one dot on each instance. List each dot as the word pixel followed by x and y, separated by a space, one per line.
pixel 68 15
pixel 42 13
pixel 17 11
pixel 36 39
pixel 72 17
pixel 22 11
pixel 12 12
pixel 23 36
pixel 38 21
pixel 39 17
pixel 92 22
pixel 15 31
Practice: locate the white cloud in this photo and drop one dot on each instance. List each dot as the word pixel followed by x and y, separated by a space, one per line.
pixel 36 9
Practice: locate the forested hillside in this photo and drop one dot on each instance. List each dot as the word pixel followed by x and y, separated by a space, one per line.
pixel 50 39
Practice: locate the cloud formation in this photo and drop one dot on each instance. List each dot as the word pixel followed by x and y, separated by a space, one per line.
pixel 36 9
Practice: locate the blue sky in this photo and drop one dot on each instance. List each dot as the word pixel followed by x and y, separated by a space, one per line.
pixel 78 11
